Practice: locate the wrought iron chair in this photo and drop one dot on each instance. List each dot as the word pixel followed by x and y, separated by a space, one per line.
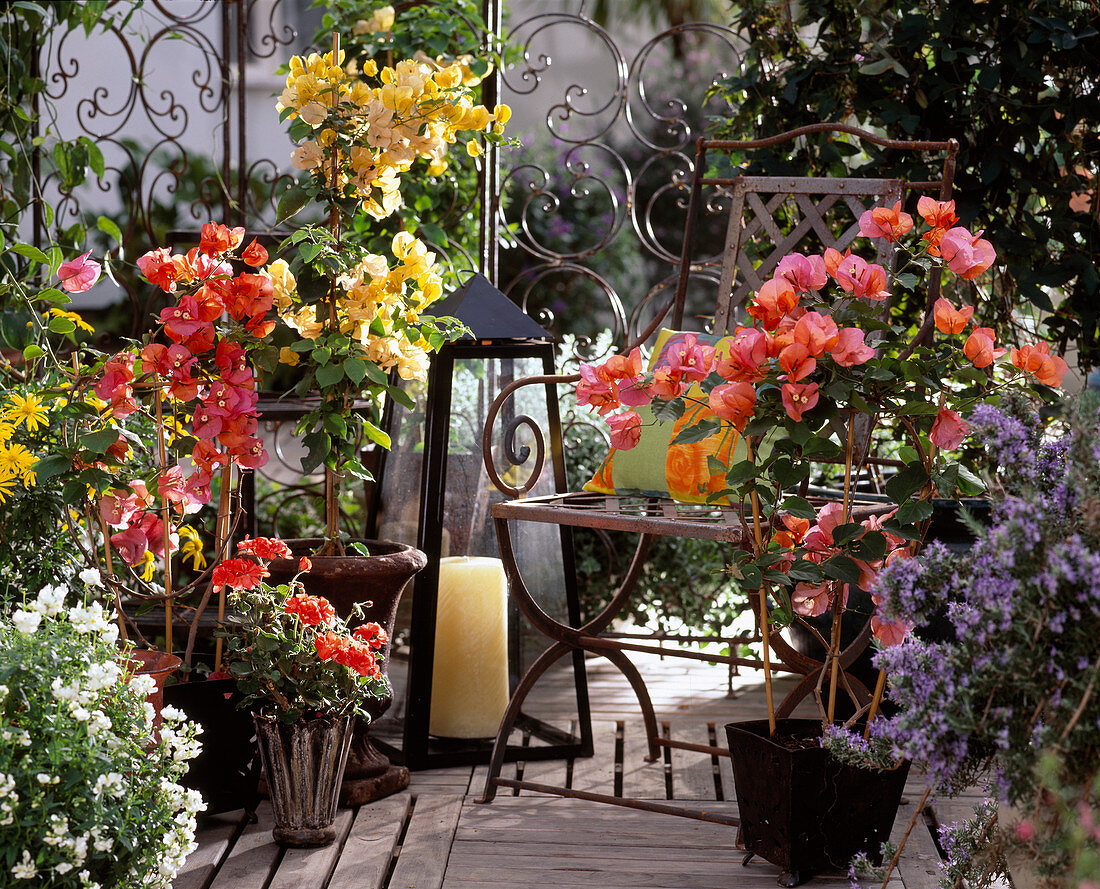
pixel 754 243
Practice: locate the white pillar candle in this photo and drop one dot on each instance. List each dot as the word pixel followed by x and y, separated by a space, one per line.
pixel 470 673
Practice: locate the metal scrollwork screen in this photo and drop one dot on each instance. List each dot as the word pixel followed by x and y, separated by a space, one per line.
pixel 592 209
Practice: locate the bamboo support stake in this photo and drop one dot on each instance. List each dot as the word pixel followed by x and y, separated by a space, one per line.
pixel 108 560
pixel 834 647
pixel 765 630
pixel 876 699
pixel 162 452
pixel 905 837
pixel 221 541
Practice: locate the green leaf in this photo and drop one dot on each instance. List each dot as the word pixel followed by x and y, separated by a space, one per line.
pixel 788 474
pixel 805 571
pixel 800 507
pixel 401 397
pixel 376 435
pixel 870 547
pixel 292 202
pixel 329 375
pixel 969 484
pixel 845 533
pixel 61 325
pixel 98 442
pixel 355 369
pixel 109 228
pixel 336 424
pixel 53 296
pixel 696 432
pixel 913 511
pixel 841 567
pixel 31 252
pixel 49 467
pixel 317 445
pixel 910 479
pixel 667 411
pixel 32 352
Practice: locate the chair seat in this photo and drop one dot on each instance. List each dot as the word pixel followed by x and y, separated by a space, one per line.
pixel 640 514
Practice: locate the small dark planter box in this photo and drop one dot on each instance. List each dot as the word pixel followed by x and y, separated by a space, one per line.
pixel 227 770
pixel 803 810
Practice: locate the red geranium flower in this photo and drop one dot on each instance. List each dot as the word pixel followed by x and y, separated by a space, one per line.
pixel 329 645
pixel 372 634
pixel 239 574
pixel 311 610
pixel 266 548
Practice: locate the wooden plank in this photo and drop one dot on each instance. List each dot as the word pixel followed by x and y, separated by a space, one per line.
pixel 734 878
pixel 692 772
pixel 422 861
pixel 371 844
pixel 725 764
pixel 919 862
pixel 610 853
pixel 588 858
pixel 596 773
pixel 641 779
pixel 457 778
pixel 253 857
pixel 310 868
pixel 549 771
pixel 215 838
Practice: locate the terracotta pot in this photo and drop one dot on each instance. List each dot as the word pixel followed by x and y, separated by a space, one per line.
pixel 376 581
pixel 304 764
pixel 801 808
pixel 157 664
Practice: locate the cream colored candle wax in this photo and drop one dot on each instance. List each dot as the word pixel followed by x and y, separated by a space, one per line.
pixel 470 673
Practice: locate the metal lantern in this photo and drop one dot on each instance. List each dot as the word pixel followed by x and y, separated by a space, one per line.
pixel 458 637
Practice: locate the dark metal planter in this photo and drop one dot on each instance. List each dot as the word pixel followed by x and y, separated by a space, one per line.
pixel 227 770
pixel 304 763
pixel 802 809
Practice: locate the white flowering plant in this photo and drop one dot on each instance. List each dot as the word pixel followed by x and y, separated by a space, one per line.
pixel 89 793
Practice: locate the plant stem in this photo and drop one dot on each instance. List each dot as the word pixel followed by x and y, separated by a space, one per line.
pixel 332 505
pixel 905 836
pixel 765 630
pixel 838 607
pixel 221 539
pixel 162 452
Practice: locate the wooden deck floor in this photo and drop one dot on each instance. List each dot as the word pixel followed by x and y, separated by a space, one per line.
pixel 435 836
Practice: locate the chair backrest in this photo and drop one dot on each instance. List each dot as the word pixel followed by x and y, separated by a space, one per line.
pixel 771 216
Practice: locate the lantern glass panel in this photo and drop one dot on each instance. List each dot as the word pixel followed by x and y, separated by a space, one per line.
pixel 467 527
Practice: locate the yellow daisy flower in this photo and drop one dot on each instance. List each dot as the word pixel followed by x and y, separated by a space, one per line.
pixel 27 410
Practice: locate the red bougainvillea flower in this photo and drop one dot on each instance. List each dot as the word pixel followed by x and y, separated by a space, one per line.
pixel 966 255
pixel 311 610
pixel 948 430
pixel 798 398
pixel 949 319
pixel 633 393
pixel 239 574
pixel 217 239
pixel 744 360
pixel 820 538
pixel 158 269
pixel 850 349
pixel 131 544
pixel 601 394
pixel 940 215
pixel 688 359
pixel 888 632
pixel 861 278
pixel 809 600
pixel 805 273
pixel 734 403
pixel 626 430
pixel 255 254
pixel 885 222
pixel 833 259
pixel 329 645
pixel 979 347
pixel 775 299
pixel 797 362
pixel 80 274
pixel 622 367
pixel 793 531
pixel 817 332
pixel 666 385
pixel 371 634
pixel 1036 360
pixel 266 548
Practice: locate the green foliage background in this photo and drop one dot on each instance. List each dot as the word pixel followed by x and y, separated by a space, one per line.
pixel 1016 82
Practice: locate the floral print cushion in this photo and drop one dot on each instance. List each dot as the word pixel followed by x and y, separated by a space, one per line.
pixel 658 468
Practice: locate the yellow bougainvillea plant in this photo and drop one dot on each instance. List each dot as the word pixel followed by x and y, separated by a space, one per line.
pixel 360 315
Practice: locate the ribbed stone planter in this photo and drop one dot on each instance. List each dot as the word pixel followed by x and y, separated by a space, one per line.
pixel 304 764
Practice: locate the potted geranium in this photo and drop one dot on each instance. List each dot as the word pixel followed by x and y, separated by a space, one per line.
pixel 305 676
pixel 1014 694
pixel 90 793
pixel 803 383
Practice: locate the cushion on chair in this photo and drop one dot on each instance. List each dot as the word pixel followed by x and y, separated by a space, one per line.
pixel 656 467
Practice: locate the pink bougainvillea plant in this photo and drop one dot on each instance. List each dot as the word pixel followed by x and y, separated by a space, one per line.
pixel 802 383
pixel 190 382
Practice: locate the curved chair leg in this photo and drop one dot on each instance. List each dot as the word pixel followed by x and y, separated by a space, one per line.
pixel 795 695
pixel 627 668
pixel 507 722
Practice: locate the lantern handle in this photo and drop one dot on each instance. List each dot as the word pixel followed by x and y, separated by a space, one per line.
pixel 520 456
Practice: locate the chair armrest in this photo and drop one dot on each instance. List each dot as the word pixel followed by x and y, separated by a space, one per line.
pixel 518 457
